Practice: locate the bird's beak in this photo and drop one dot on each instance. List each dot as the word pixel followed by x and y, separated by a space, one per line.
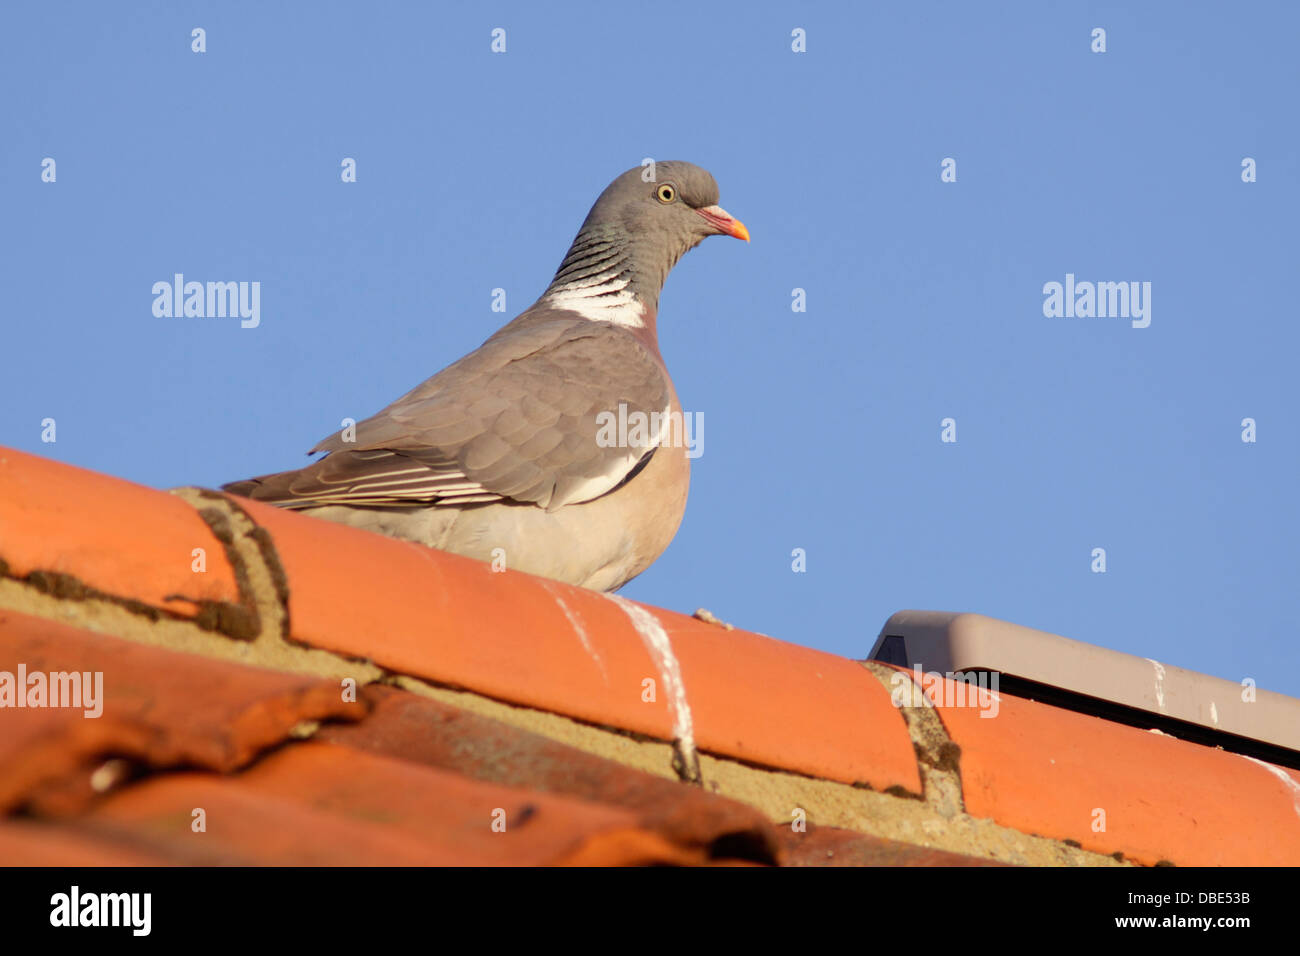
pixel 724 222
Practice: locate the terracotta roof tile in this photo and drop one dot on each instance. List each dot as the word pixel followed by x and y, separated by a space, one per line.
pixel 317 804
pixel 831 846
pixel 437 735
pixel 1065 775
pixel 160 708
pixel 750 697
pixel 412 782
pixel 29 843
pixel 521 695
pixel 244 827
pixel 451 814
pixel 118 538
pixel 419 605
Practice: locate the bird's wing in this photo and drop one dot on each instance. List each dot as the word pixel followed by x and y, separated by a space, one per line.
pixel 531 416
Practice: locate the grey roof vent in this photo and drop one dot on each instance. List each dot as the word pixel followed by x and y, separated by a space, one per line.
pixel 1093 680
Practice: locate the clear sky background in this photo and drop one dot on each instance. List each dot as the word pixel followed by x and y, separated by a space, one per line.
pixel 822 428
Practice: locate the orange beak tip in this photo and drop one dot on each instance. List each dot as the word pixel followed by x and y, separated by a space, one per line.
pixel 724 222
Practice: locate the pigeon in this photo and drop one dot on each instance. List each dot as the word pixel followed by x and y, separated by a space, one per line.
pixel 511 454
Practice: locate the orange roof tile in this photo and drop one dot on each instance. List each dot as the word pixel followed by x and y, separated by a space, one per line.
pixel 1113 787
pixel 538 666
pixel 359 795
pixel 435 734
pixel 160 708
pixel 318 804
pixel 120 539
pixel 750 697
pixel 31 843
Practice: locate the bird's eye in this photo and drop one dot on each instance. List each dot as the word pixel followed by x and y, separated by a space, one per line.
pixel 666 193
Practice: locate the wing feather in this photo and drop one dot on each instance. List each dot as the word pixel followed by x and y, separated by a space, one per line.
pixel 515 420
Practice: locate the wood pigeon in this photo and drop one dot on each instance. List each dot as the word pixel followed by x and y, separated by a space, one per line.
pixel 508 453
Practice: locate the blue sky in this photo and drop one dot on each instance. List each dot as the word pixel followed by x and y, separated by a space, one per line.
pixel 822 428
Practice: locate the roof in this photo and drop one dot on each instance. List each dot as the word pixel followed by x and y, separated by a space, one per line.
pixel 1122 687
pixel 326 682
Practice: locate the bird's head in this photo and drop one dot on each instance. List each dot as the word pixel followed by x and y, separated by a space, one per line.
pixel 639 227
pixel 672 204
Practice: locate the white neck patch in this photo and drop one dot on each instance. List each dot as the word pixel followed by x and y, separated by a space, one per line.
pixel 607 300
